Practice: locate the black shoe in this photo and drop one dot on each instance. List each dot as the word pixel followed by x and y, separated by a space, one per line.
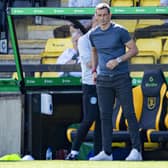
pixel 71 156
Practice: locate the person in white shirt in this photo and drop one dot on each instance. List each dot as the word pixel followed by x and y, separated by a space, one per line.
pixel 84 47
pixel 70 55
pixel 90 104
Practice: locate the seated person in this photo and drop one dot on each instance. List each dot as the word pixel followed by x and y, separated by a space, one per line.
pixel 61 31
pixel 70 55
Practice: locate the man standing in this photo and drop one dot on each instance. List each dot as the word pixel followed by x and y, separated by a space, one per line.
pixel 109 42
pixel 90 103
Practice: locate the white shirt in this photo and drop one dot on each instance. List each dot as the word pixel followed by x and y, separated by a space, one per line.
pixel 65 57
pixel 83 3
pixel 84 48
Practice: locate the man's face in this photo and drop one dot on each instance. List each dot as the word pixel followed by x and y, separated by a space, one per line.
pixel 103 17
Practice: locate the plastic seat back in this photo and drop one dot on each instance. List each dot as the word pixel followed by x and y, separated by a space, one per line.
pixel 164 60
pixel 49 60
pixel 118 120
pixel 145 59
pixel 122 3
pixel 127 23
pixel 149 46
pixel 154 90
pixel 142 23
pixel 149 2
pixel 137 101
pixel 165 48
pixel 55 46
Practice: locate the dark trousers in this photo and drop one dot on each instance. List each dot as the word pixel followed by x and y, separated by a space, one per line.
pixel 107 89
pixel 91 114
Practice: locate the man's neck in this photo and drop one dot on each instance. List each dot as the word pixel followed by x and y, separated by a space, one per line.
pixel 105 27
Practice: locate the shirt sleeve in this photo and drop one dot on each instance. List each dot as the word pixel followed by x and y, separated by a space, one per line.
pixel 91 41
pixel 84 48
pixel 66 56
pixel 125 36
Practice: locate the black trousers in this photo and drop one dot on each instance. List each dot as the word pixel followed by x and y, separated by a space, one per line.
pixel 109 87
pixel 91 114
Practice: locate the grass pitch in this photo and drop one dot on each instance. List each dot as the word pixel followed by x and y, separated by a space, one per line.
pixel 83 164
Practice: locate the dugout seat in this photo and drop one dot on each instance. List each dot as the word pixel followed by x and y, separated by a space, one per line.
pixel 164 60
pixel 130 25
pixel 165 48
pixel 149 2
pixel 159 136
pixel 154 109
pixel 55 46
pixel 118 121
pixel 142 23
pixel 150 103
pixel 149 46
pixel 166 121
pixel 121 3
pixel 49 60
pixel 164 56
pixel 53 49
pixel 146 59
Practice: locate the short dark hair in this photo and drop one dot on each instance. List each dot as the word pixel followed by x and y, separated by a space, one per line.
pixel 61 31
pixel 103 6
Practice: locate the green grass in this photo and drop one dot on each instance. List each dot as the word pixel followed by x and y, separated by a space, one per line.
pixel 83 164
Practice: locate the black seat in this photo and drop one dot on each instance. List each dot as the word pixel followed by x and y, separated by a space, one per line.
pixel 150 103
pixel 119 127
pixel 154 107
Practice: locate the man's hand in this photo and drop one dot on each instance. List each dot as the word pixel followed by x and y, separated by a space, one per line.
pixel 111 64
pixel 94 76
pixel 71 62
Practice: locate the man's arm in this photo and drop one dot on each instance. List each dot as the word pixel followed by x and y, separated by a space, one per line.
pixel 132 51
pixel 94 60
pixel 84 49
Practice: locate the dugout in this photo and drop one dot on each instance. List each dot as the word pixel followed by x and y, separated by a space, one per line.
pixel 43 130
